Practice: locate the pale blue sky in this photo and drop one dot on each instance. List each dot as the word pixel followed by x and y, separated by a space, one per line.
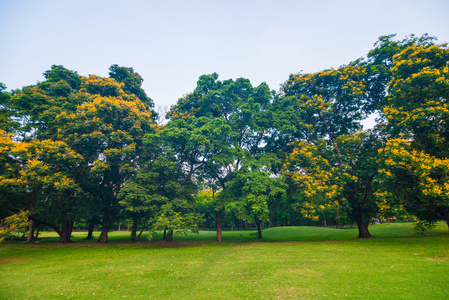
pixel 171 43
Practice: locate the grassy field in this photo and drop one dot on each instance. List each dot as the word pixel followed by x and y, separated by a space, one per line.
pixel 290 262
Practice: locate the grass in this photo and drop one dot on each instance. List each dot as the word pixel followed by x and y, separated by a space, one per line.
pixel 315 263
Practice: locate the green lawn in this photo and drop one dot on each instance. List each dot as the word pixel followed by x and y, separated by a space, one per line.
pixel 400 264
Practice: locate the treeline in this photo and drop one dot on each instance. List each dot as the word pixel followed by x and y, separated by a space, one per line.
pixel 89 150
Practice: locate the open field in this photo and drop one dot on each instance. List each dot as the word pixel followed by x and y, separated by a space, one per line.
pixel 313 263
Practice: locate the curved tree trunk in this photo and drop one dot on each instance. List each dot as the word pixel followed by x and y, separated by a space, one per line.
pixel 31 227
pixel 90 232
pixel 143 227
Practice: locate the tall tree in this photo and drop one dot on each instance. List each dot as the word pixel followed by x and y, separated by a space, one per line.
pixel 322 113
pixel 417 114
pixel 98 120
pixel 108 130
pixel 245 110
pixel 186 145
pixel 34 110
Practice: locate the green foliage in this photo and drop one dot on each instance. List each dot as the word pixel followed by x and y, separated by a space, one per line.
pixel 6 123
pixel 132 82
pixel 78 148
pixel 252 193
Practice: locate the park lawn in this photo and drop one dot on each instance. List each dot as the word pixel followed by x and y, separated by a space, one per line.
pixel 288 233
pixel 409 266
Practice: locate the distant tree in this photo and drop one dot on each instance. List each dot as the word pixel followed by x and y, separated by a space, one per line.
pixel 252 192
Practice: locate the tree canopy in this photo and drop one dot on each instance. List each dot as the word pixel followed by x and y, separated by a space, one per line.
pixel 90 150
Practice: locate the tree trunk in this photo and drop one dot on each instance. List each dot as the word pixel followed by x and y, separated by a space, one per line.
pixel 169 236
pixel 219 237
pixel 379 219
pixel 90 232
pixel 134 230
pixel 31 226
pixel 66 232
pixel 165 234
pixel 363 228
pixel 104 233
pixel 259 229
pixel 143 227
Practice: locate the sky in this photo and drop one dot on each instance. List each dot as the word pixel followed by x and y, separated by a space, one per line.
pixel 171 43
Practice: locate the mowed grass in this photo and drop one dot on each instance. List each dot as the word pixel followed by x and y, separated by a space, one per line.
pixel 314 263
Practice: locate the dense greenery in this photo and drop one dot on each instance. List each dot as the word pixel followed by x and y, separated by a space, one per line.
pixel 88 152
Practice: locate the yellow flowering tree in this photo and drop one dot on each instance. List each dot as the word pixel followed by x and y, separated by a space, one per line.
pixel 416 156
pixel 96 119
pixel 328 177
pixel 41 182
pixel 331 161
pixel 107 129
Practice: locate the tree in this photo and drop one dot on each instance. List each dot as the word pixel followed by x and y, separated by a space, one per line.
pixel 136 199
pixel 253 192
pixel 107 130
pixel 330 158
pixel 95 118
pixel 183 147
pixel 162 195
pixel 245 110
pixel 417 112
pixel 43 184
pixel 327 176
